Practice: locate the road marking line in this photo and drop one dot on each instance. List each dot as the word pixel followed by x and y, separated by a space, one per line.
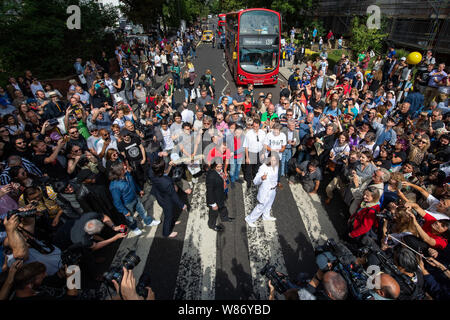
pixel 140 243
pixel 223 74
pixel 263 247
pixel 197 270
pixel 314 216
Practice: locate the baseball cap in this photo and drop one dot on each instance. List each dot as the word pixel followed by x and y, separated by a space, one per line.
pixel 403 58
pixel 323 259
pixel 118 99
pixel 93 127
pixel 124 132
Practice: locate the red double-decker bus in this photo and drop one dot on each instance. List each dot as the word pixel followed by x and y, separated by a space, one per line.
pixel 221 22
pixel 252 46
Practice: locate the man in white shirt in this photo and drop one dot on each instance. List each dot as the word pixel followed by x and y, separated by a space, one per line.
pixel 275 143
pixel 254 147
pixel 186 114
pixel 104 144
pixel 439 209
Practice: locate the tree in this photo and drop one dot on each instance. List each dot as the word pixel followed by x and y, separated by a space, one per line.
pixel 362 38
pixel 144 12
pixel 35 36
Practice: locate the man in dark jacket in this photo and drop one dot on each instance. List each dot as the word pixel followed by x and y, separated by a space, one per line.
pixel 215 195
pixel 164 191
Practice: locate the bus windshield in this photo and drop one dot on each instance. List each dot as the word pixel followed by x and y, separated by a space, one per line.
pixel 258 59
pixel 259 22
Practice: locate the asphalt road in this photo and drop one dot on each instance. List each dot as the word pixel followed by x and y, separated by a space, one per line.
pixel 200 264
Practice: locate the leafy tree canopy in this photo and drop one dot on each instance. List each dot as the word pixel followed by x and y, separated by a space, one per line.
pixel 35 36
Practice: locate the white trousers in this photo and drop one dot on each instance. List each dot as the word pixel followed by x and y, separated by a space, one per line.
pixel 263 208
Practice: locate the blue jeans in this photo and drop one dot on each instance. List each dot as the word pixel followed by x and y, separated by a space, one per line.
pixel 133 206
pixel 282 62
pixel 303 156
pixel 176 80
pixel 186 94
pixel 287 155
pixel 235 168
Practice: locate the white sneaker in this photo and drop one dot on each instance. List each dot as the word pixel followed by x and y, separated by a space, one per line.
pixel 137 232
pixel 250 224
pixel 270 219
pixel 154 223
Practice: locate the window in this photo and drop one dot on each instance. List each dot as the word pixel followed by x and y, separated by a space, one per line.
pixel 259 22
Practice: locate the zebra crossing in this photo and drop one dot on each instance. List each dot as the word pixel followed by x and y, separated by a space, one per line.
pixel 187 267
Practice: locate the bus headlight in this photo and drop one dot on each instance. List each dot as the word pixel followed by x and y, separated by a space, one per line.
pixel 241 77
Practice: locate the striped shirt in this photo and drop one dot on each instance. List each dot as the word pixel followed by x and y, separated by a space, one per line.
pixel 29 166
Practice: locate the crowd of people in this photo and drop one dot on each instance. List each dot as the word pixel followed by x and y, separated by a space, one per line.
pixel 77 162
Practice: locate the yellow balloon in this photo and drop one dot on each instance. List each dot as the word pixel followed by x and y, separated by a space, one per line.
pixel 414 58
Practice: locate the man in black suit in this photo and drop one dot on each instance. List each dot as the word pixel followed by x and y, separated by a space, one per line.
pixel 215 195
pixel 164 191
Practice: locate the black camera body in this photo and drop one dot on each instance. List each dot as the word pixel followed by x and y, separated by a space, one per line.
pixel 130 261
pixel 386 215
pixel 344 264
pixel 71 256
pixel 279 282
pixel 53 122
pixel 22 214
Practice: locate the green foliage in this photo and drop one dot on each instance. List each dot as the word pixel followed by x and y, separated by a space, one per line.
pixel 35 36
pixel 362 38
pixel 401 53
pixel 144 12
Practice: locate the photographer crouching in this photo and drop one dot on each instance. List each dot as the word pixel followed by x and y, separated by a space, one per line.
pixel 328 285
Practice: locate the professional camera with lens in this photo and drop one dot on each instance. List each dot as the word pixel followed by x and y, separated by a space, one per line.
pixel 385 214
pixel 280 282
pixel 22 214
pixel 343 262
pixel 53 122
pixel 71 256
pixel 130 261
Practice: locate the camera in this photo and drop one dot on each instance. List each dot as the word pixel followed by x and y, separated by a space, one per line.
pixel 130 261
pixel 53 122
pixel 22 214
pixel 385 214
pixel 343 262
pixel 71 256
pixel 280 282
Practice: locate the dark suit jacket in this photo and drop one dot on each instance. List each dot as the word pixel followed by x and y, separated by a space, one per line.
pixel 215 192
pixel 164 191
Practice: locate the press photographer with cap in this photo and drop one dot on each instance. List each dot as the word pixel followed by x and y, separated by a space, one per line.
pixel 327 285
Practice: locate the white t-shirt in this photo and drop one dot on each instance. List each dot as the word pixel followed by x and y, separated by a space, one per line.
pixel 275 142
pixel 432 210
pixel 112 145
pixel 187 116
pixel 168 142
pixel 157 61
pixel 92 142
pixel 254 142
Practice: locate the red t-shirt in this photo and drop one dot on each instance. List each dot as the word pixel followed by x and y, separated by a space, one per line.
pixel 441 242
pixel 216 153
pixel 247 107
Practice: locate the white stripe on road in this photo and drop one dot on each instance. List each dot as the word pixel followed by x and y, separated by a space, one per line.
pixel 314 216
pixel 223 74
pixel 263 246
pixel 197 270
pixel 141 244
